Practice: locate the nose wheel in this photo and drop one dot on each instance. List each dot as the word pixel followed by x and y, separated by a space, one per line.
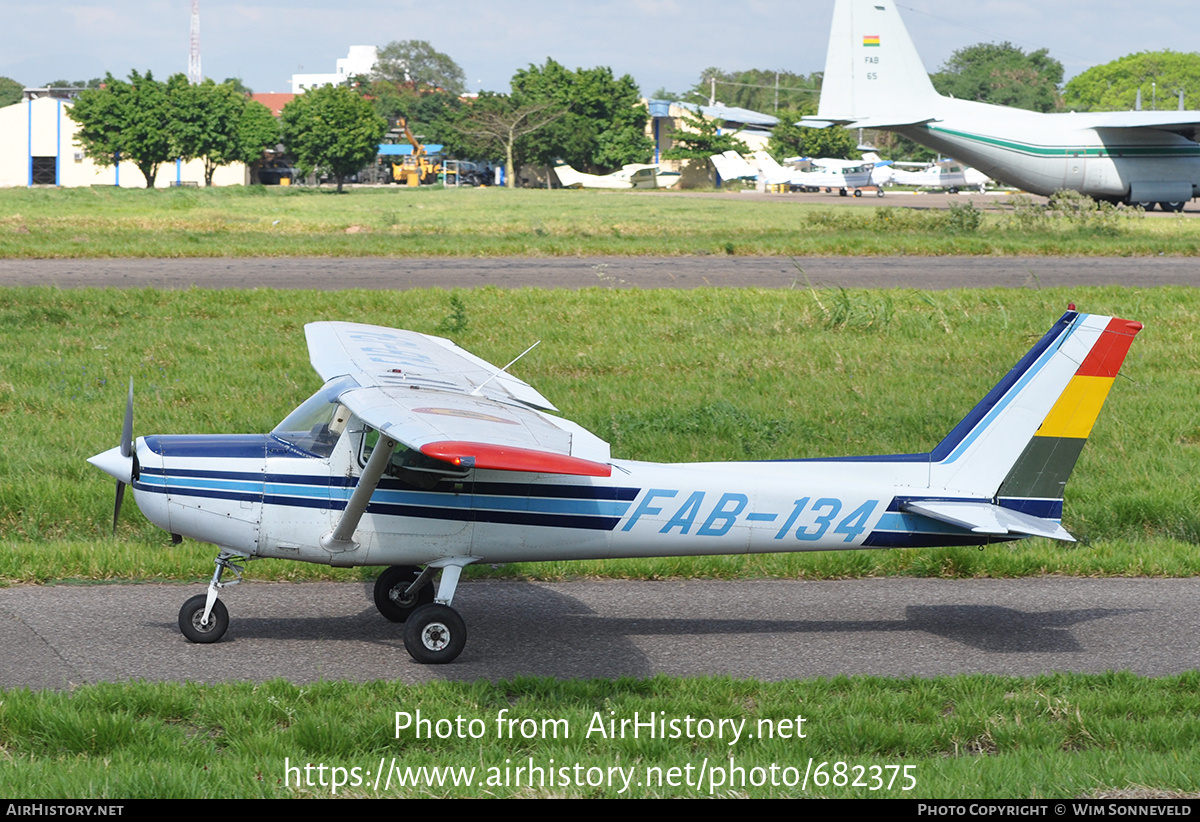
pixel 193 624
pixel 204 618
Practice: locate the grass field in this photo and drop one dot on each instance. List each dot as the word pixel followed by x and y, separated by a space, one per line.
pixel 1048 737
pixel 662 375
pixel 697 375
pixel 260 221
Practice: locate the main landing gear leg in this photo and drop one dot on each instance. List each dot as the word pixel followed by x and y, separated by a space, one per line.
pixel 434 633
pixel 204 618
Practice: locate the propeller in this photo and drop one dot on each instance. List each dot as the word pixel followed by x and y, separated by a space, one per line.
pixel 120 462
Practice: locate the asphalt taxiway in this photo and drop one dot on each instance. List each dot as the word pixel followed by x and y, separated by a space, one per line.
pixel 63 635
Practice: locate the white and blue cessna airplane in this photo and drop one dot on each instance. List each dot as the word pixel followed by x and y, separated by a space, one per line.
pixel 423 458
pixel 874 78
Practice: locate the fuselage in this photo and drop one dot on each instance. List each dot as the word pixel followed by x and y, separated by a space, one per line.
pixel 1044 153
pixel 874 78
pixel 262 497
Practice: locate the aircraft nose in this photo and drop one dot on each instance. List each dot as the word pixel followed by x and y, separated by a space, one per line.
pixel 115 464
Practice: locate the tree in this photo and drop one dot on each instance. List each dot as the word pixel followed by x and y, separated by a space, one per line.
pixel 218 125
pixel 429 113
pixel 791 140
pixel 204 122
pixel 701 140
pixel 10 91
pixel 1002 74
pixel 258 131
pixel 492 126
pixel 334 129
pixel 95 82
pixel 238 85
pixel 126 121
pixel 603 125
pixel 1114 86
pixel 418 65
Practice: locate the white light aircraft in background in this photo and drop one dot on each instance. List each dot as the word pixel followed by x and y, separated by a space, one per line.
pixel 850 177
pixel 422 458
pixel 633 175
pixel 950 175
pixel 874 78
pixel 881 172
pixel 733 166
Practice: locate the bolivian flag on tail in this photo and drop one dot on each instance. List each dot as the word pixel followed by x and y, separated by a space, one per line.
pixel 1043 468
pixel 870 39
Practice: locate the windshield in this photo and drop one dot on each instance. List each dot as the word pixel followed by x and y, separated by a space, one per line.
pixel 318 422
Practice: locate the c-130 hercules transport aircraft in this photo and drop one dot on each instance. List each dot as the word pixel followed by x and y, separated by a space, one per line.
pixel 874 78
pixel 423 458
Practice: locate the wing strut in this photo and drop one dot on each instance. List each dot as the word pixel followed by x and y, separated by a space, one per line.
pixel 341 538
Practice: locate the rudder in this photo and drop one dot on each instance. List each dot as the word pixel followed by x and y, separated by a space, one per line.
pixel 1040 473
pixel 1021 441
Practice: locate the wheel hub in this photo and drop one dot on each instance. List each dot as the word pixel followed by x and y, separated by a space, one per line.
pixel 436 636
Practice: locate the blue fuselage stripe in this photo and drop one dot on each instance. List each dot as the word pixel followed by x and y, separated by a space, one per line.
pixel 558 506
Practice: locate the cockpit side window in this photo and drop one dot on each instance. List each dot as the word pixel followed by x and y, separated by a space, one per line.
pixel 318 422
pixel 409 464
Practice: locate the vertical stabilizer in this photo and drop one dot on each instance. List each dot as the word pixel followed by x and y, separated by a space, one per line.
pixel 873 74
pixel 1021 441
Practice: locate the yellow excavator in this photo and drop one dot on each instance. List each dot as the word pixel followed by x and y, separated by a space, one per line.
pixel 418 167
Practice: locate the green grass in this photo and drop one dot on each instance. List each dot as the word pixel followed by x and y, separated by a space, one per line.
pixel 1057 736
pixel 262 221
pixel 662 375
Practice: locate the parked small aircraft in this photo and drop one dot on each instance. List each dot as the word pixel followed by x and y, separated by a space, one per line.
pixel 950 175
pixel 842 176
pixel 874 78
pixel 881 172
pixel 416 453
pixel 633 175
pixel 733 166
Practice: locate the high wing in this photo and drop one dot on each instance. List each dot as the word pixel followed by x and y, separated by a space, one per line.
pixel 732 166
pixel 1184 123
pixel 437 398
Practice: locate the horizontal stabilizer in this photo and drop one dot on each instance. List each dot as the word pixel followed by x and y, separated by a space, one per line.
pixel 893 121
pixel 986 518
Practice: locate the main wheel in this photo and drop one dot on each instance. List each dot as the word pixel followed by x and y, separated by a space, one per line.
pixel 435 634
pixel 1146 206
pixel 858 192
pixel 203 632
pixel 389 593
pixel 1171 206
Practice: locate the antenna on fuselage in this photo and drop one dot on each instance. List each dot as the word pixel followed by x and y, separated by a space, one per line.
pixel 503 370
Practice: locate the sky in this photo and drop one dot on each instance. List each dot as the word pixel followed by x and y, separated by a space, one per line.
pixel 661 43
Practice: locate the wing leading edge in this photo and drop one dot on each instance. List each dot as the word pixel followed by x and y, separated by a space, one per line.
pixel 438 399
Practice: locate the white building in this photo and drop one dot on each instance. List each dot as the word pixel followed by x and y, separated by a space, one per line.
pixel 37 147
pixel 360 60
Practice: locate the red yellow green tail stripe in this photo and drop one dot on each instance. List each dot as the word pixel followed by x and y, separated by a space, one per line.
pixel 1046 463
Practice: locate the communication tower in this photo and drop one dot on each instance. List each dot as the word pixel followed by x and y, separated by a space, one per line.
pixel 194 73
